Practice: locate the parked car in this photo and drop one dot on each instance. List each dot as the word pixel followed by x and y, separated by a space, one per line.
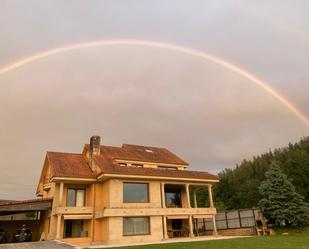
pixel 23 235
pixel 3 236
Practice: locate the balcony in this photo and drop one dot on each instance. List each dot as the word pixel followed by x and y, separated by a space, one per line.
pixel 73 210
pixel 174 196
pixel 122 212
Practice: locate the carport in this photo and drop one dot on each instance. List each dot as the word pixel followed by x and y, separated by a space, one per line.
pixel 12 218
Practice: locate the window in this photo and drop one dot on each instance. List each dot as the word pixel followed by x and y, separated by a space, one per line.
pixel 135 226
pixel 73 228
pixel 167 168
pixel 135 192
pixel 76 197
pixel 137 165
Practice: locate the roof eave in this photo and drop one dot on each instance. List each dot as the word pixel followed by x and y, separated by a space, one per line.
pixel 73 179
pixel 166 178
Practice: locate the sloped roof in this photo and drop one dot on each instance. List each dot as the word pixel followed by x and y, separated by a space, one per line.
pixel 13 202
pixel 12 207
pixel 69 165
pixel 76 165
pixel 140 153
pixel 108 166
pixel 4 202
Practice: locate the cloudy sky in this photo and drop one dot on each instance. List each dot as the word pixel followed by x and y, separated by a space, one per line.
pixel 209 115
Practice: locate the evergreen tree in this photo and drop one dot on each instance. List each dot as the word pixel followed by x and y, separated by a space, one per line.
pixel 280 202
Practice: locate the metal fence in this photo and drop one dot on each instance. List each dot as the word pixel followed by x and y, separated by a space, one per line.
pixel 231 219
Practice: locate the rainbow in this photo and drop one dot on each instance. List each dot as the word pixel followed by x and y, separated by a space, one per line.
pixel 264 85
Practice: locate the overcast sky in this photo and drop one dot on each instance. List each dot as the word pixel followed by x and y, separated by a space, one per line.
pixel 210 116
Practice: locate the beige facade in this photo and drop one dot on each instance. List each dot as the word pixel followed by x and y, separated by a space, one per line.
pixel 100 210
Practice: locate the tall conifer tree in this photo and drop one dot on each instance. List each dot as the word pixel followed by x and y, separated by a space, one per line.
pixel 280 202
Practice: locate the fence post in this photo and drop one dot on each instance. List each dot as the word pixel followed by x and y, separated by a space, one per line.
pixel 240 225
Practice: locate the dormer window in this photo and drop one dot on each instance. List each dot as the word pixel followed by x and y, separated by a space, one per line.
pixel 149 151
pixel 123 164
pixel 167 167
pixel 137 165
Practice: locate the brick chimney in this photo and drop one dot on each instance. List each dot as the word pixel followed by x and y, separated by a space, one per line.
pixel 95 144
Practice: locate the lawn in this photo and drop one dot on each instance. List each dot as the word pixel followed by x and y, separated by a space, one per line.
pixel 295 240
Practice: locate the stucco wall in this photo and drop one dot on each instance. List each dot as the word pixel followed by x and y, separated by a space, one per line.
pixel 109 194
pixel 101 230
pixel 108 199
pixel 115 230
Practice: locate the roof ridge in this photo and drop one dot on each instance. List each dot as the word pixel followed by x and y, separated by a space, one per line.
pixel 148 146
pixel 110 146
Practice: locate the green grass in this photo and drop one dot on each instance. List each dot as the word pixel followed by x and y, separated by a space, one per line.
pixel 295 240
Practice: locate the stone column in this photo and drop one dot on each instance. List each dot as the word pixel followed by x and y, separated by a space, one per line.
pixel 165 235
pixel 59 216
pixel 93 185
pixel 60 194
pixel 211 202
pixel 191 226
pixel 163 195
pixel 215 232
pixel 195 200
pixel 58 235
pixel 188 196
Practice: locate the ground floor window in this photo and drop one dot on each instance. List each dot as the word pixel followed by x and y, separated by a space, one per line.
pixel 136 226
pixel 73 228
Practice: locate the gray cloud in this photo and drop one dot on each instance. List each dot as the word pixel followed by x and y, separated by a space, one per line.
pixel 208 115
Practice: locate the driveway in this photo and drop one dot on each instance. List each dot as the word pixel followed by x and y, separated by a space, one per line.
pixel 36 245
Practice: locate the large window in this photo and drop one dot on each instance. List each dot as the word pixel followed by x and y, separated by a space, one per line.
pixel 135 192
pixel 135 226
pixel 73 228
pixel 76 197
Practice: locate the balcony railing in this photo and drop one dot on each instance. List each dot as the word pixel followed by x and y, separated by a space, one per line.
pixel 120 212
pixel 73 210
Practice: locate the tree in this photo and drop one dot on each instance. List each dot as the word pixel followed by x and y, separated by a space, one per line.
pixel 238 187
pixel 280 202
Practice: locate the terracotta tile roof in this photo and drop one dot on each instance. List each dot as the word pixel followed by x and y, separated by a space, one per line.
pixel 109 166
pixel 76 165
pixel 69 165
pixel 141 153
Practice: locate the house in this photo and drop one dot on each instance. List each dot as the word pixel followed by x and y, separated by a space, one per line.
pixel 128 194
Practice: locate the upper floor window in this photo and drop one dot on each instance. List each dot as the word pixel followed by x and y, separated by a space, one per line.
pixel 76 197
pixel 135 192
